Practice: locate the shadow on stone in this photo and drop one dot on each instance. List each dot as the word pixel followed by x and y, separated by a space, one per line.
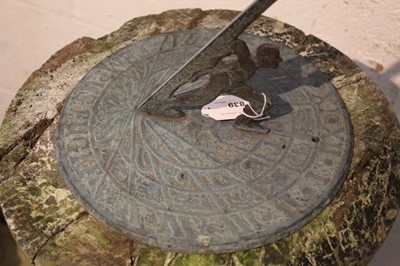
pixel 10 254
pixel 384 78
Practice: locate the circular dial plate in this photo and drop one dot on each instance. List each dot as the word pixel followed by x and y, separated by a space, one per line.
pixel 194 184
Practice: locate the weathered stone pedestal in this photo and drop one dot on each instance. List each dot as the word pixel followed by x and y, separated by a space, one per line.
pixel 53 229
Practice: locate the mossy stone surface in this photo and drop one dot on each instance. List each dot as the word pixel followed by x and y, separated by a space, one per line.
pixel 53 229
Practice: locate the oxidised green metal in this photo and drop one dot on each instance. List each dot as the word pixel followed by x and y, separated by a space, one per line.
pixel 193 184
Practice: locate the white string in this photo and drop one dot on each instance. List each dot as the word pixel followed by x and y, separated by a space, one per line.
pixel 258 116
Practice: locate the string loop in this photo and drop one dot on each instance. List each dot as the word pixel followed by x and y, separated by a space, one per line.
pixel 258 116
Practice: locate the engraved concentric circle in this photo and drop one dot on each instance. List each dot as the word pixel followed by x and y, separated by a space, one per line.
pixel 194 184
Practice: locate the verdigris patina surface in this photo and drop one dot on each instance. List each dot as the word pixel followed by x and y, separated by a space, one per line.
pixel 53 229
pixel 194 184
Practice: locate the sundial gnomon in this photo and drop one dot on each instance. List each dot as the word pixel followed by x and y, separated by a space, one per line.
pixel 194 184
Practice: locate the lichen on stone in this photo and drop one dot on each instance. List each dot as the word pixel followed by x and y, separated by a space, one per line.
pixel 50 224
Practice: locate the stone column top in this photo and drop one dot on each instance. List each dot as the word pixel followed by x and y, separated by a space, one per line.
pixel 51 226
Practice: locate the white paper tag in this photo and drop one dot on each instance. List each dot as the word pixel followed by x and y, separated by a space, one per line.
pixel 224 107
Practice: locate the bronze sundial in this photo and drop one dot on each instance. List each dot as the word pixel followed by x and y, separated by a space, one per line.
pixel 134 147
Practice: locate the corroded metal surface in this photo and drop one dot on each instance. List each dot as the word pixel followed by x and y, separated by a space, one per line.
pixel 195 184
pixel 203 61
